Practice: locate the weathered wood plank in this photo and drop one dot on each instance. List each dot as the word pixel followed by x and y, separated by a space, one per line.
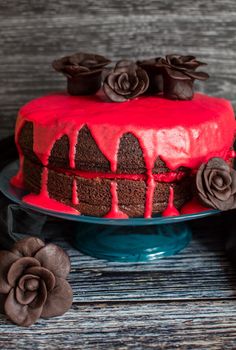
pixel 201 271
pixel 83 7
pixel 211 325
pixel 32 35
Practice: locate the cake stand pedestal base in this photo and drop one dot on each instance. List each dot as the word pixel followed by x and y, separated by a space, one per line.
pixel 131 243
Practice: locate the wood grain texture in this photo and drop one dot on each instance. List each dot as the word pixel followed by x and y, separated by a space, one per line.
pixel 173 278
pixel 111 326
pixel 34 33
pixel 187 301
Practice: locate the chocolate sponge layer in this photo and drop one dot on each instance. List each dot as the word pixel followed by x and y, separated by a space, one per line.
pixel 94 194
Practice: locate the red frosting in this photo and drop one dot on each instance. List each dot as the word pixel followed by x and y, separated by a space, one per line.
pixel 170 209
pixel 44 201
pixel 181 133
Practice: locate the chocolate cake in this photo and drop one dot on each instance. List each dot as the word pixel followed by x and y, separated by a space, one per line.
pixel 85 155
pixel 160 149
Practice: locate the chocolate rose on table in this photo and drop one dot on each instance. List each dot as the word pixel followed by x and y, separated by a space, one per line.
pixel 178 74
pixel 32 281
pixel 216 184
pixel 83 72
pixel 126 81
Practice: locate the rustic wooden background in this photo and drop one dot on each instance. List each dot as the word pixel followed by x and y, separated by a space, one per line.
pixel 33 33
pixel 184 302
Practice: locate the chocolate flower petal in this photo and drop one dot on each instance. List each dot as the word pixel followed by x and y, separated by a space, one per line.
pixel 233 177
pixel 27 246
pixel 222 204
pixel 59 299
pixel 113 96
pixel 24 298
pixel 140 87
pixel 218 163
pixel 41 296
pixel 220 181
pixel 178 89
pixel 18 267
pixel 154 63
pixel 124 64
pixel 3 298
pixel 226 177
pixel 44 274
pixel 111 78
pixel 207 202
pixel 137 81
pixel 222 195
pixel 199 183
pixel 124 85
pixel 73 71
pixel 206 179
pixel 198 75
pixel 6 260
pixel 54 259
pixel 175 74
pixel 217 183
pixel 25 282
pixel 183 62
pixel 22 315
pixel 79 63
pixel 119 83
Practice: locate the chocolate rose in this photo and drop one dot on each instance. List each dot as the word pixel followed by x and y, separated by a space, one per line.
pixel 153 67
pixel 178 74
pixel 126 81
pixel 83 71
pixel 216 184
pixel 32 281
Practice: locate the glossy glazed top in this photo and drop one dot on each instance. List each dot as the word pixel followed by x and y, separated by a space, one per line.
pixel 182 133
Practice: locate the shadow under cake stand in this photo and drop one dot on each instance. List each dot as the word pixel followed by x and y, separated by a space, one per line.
pixel 127 240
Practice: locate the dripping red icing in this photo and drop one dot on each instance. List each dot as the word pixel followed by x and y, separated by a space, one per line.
pixel 75 200
pixel 18 179
pixel 149 195
pixel 170 209
pixel 181 133
pixel 43 200
pixel 115 212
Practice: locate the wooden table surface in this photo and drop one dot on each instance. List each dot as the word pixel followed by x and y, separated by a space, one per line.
pixel 33 33
pixel 187 301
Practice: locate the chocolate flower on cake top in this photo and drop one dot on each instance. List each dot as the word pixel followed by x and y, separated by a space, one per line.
pixel 178 74
pixel 216 184
pixel 32 281
pixel 126 81
pixel 83 71
pixel 153 67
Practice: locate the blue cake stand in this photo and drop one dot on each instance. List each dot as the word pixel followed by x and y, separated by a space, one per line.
pixel 127 240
